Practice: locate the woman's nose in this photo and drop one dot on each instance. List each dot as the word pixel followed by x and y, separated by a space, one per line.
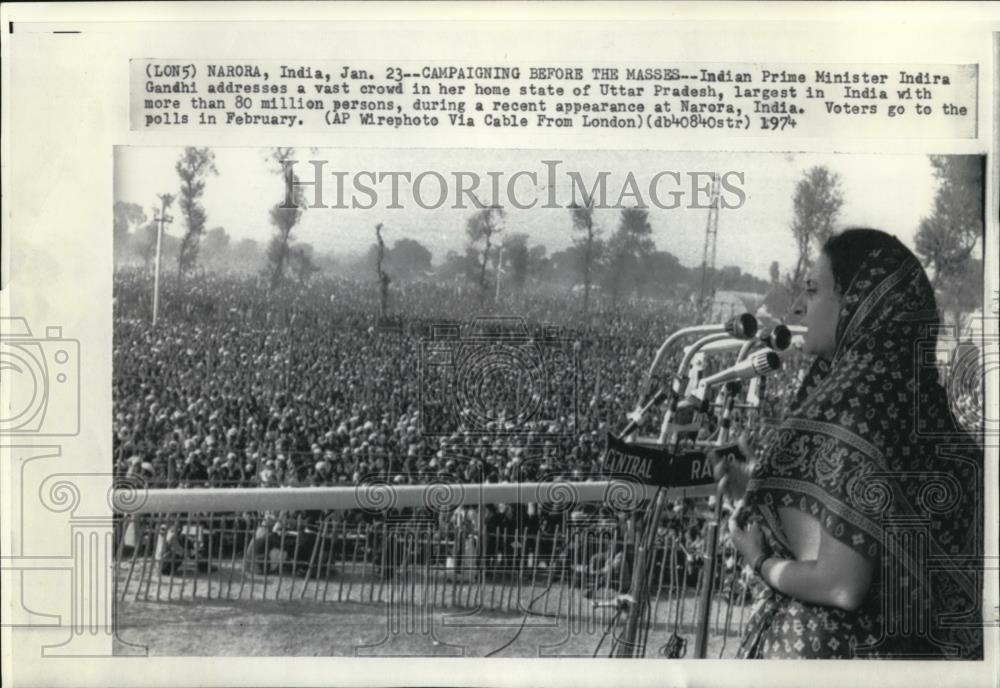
pixel 798 309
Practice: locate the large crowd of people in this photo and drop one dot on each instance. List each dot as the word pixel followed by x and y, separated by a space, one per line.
pixel 239 385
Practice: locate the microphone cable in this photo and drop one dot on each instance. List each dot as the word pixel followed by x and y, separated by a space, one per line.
pixel 527 610
pixel 607 629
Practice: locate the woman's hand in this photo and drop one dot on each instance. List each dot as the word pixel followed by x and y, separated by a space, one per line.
pixel 749 540
pixel 730 469
pixel 837 577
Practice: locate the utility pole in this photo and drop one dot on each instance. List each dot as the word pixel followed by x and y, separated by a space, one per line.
pixel 500 272
pixel 160 216
pixel 707 295
pixel 383 277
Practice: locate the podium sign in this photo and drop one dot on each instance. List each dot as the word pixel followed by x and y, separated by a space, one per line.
pixel 655 465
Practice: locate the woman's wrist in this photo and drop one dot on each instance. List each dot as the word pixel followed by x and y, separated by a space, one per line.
pixel 757 562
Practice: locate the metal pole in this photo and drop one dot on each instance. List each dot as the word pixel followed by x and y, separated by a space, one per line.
pixel 165 200
pixel 499 271
pixel 156 271
pixel 645 541
pixel 701 638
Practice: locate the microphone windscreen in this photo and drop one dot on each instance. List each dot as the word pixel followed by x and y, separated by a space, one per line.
pixel 765 362
pixel 780 338
pixel 742 326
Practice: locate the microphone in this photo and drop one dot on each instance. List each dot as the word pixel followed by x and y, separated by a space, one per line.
pixel 637 417
pixel 742 326
pixel 761 362
pixel 778 338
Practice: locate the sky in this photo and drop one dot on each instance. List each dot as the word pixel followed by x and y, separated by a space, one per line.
pixel 889 192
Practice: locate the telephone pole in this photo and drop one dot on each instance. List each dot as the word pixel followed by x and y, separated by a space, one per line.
pixel 500 272
pixel 162 218
pixel 383 277
pixel 707 295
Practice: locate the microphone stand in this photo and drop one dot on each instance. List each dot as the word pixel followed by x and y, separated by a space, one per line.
pixel 681 380
pixel 636 603
pixel 740 327
pixel 708 570
pixel 730 390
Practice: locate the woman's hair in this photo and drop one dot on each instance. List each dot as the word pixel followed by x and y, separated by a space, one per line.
pixel 849 249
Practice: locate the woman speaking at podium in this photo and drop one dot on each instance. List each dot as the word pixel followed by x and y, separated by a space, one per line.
pixel 862 511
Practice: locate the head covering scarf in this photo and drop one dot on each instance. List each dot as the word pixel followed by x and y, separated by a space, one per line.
pixel 870 450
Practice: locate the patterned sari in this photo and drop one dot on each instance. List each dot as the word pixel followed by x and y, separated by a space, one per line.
pixel 871 451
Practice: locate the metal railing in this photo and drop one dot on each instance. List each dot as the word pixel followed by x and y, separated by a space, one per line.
pixel 571 569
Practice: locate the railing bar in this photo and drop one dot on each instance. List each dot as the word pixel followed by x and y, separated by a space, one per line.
pixel 136 535
pixel 151 559
pixel 232 558
pixel 170 585
pixel 314 562
pixel 249 558
pixel 341 544
pixel 280 574
pixel 300 535
pixel 548 583
pixel 331 553
pixel 266 554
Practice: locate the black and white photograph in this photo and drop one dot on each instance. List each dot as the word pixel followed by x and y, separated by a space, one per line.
pixel 436 363
pixel 499 344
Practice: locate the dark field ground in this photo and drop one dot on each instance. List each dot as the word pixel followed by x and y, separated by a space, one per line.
pixel 307 628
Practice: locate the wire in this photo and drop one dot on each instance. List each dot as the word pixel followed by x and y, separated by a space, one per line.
pixel 527 610
pixel 615 639
pixel 607 629
pixel 524 620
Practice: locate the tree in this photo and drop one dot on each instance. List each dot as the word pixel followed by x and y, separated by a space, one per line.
pixel 630 249
pixel 408 259
pixel 817 202
pixel 125 216
pixel 193 167
pixel 538 262
pixel 246 252
pixel 383 278
pixel 302 262
pixel 517 259
pixel 586 238
pixel 284 215
pixel 665 272
pixel 457 265
pixel 946 239
pixel 144 243
pixel 483 227
pixel 961 293
pixel 215 245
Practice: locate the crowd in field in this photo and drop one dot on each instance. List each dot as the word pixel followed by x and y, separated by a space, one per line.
pixel 237 385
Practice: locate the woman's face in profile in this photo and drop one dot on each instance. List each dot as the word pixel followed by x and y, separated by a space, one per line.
pixel 821 306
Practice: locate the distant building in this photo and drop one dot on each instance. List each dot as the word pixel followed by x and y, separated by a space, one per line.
pixel 726 304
